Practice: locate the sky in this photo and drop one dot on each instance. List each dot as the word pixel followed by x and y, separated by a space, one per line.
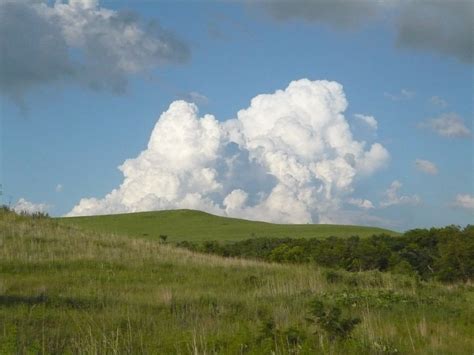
pixel 290 112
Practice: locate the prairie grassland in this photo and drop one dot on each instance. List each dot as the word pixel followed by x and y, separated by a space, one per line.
pixel 64 290
pixel 190 225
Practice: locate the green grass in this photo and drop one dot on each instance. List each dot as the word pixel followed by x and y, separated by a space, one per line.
pixel 66 290
pixel 191 225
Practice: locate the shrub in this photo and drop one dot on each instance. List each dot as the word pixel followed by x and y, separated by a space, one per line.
pixel 267 330
pixel 294 336
pixel 330 320
pixel 333 277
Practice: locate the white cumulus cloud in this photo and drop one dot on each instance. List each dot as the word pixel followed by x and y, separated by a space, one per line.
pixel 392 197
pixel 464 201
pixel 288 157
pixel 178 168
pixel 426 166
pixel 23 205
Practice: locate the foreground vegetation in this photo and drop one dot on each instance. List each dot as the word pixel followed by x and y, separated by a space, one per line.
pixel 64 290
pixel 190 225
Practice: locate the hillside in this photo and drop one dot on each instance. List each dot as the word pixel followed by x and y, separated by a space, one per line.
pixel 64 290
pixel 192 225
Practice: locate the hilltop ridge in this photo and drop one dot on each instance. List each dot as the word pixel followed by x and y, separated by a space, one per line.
pixel 194 225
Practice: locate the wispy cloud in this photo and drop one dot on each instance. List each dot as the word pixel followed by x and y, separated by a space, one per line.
pixel 464 201
pixel 369 121
pixel 426 166
pixel 449 125
pixel 195 97
pixel 23 205
pixel 438 102
pixel 404 94
pixel 361 203
pixel 392 197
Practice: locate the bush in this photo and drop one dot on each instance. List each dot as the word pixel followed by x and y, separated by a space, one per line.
pixel 333 277
pixel 330 320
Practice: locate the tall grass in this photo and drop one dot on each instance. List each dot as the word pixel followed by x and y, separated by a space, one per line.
pixel 63 290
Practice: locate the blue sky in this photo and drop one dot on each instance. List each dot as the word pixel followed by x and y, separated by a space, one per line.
pixel 63 133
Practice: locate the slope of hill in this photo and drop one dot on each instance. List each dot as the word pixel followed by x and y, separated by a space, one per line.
pixel 64 290
pixel 193 225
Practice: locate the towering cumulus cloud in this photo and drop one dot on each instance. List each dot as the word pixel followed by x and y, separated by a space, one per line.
pixel 289 157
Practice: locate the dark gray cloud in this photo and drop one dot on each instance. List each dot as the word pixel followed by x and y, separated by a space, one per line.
pixel 441 26
pixel 78 42
pixel 222 26
pixel 112 52
pixel 32 50
pixel 336 13
pixel 445 27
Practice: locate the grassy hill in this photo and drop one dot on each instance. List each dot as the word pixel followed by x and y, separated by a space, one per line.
pixel 192 225
pixel 65 290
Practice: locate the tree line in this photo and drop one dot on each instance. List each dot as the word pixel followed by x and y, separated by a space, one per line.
pixel 445 254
